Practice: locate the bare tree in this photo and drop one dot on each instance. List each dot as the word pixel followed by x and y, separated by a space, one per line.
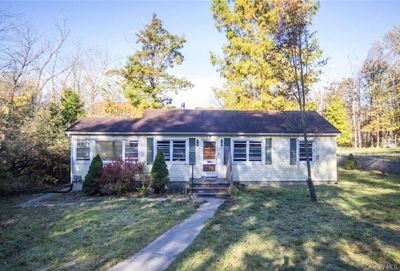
pixel 298 53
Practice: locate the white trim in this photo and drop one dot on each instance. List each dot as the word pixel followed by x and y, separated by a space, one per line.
pixel 247 162
pixel 212 161
pixel 171 152
pixel 313 142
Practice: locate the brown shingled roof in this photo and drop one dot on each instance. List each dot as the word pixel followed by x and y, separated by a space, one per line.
pixel 207 121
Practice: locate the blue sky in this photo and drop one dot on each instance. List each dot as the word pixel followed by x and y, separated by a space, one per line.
pixel 346 31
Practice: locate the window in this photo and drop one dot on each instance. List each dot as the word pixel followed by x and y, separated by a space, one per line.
pixel 174 150
pixel 179 151
pixel 239 151
pixel 302 150
pixel 255 151
pixel 83 150
pixel 244 150
pixel 109 150
pixel 164 147
pixel 131 151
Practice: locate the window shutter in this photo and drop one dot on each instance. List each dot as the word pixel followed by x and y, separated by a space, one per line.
pixel 150 148
pixel 293 151
pixel 268 151
pixel 192 151
pixel 227 144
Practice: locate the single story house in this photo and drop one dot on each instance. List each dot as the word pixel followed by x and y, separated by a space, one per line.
pixel 265 146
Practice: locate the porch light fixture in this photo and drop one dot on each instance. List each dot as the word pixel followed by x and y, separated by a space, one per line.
pixel 197 142
pixel 222 142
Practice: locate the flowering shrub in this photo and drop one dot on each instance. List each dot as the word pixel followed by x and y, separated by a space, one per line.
pixel 121 176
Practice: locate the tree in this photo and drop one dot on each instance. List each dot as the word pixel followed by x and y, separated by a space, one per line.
pixel 71 107
pixel 159 174
pixel 336 114
pixel 298 59
pixel 247 60
pixel 90 185
pixel 147 82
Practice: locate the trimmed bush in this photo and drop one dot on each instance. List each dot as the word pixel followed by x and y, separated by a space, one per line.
pixel 350 163
pixel 90 185
pixel 159 174
pixel 120 177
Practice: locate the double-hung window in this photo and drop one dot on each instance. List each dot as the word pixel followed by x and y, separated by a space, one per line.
pixel 247 151
pixel 302 150
pixel 132 151
pixel 83 150
pixel 173 150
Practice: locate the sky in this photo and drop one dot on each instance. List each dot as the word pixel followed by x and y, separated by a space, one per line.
pixel 346 31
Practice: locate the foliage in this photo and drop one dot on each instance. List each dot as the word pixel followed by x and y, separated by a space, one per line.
pixel 147 82
pixel 71 107
pixel 336 114
pixel 372 95
pixel 253 64
pixel 159 174
pixel 35 151
pixel 350 163
pixel 119 177
pixel 232 191
pixel 91 183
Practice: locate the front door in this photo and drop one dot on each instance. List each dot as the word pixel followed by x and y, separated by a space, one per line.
pixel 209 159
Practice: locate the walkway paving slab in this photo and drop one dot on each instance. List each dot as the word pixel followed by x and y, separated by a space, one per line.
pixel 159 254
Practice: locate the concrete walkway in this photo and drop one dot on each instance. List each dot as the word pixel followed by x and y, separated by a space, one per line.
pixel 159 254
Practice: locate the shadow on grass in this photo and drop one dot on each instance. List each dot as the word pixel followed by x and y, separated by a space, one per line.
pixel 277 228
pixel 83 237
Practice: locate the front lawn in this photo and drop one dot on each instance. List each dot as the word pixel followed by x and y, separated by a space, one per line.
pixel 82 236
pixel 354 226
pixel 385 153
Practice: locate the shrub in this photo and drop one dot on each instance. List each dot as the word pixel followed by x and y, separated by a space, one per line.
pixel 90 185
pixel 159 174
pixel 120 177
pixel 232 191
pixel 350 163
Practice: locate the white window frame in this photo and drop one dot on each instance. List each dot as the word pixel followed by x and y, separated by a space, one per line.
pixel 124 142
pixel 313 150
pixel 171 151
pixel 76 150
pixel 247 140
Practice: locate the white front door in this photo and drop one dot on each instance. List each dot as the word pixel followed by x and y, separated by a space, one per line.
pixel 209 158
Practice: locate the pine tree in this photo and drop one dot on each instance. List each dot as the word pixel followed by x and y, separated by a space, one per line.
pixel 147 82
pixel 336 114
pixel 71 107
pixel 159 174
pixel 90 185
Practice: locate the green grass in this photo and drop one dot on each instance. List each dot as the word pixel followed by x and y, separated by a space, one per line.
pixel 82 236
pixel 385 153
pixel 354 226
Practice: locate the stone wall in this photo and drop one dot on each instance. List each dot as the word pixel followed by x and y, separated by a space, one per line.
pixel 373 163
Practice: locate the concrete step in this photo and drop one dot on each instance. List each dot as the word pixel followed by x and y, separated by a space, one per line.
pixel 209 189
pixel 211 185
pixel 214 195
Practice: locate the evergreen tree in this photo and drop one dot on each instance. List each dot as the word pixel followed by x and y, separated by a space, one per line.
pixel 336 114
pixel 147 82
pixel 159 174
pixel 71 107
pixel 90 185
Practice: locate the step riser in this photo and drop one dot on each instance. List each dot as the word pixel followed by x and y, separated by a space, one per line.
pixel 210 186
pixel 210 191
